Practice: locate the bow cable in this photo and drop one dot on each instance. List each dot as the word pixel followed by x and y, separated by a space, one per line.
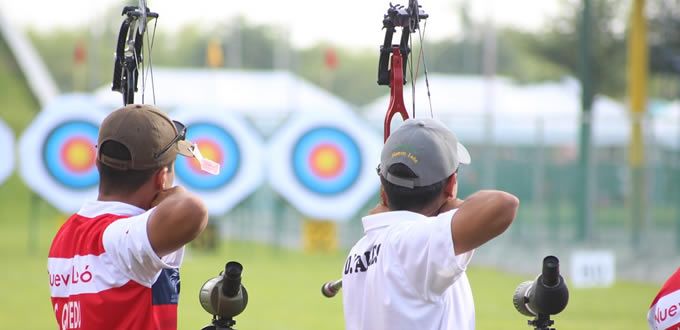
pixel 149 70
pixel 421 53
pixel 142 22
pixel 414 24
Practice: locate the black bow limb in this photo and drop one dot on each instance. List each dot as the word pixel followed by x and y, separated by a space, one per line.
pixel 129 50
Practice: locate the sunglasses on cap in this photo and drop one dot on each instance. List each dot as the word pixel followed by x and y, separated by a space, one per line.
pixel 181 136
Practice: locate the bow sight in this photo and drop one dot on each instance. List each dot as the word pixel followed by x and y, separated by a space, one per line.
pixel 395 56
pixel 129 50
pixel 408 18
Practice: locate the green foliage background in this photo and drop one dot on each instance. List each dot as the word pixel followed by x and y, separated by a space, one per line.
pixel 283 284
pixel 549 53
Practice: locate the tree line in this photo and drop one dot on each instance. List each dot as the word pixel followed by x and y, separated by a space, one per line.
pixel 81 59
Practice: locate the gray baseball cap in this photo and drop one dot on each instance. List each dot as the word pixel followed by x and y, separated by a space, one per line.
pixel 426 147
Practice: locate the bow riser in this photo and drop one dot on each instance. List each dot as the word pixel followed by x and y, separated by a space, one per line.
pixel 396 92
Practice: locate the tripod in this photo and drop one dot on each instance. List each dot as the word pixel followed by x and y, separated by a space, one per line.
pixel 542 322
pixel 220 324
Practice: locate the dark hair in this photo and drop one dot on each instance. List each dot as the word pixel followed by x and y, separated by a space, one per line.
pixel 409 199
pixel 114 181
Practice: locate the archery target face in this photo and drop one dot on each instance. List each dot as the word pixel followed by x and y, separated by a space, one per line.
pixel 226 138
pixel 57 152
pixel 216 144
pixel 7 141
pixel 69 154
pixel 325 164
pixel 326 160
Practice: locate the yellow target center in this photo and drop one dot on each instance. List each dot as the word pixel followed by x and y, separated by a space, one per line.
pixel 327 161
pixel 79 155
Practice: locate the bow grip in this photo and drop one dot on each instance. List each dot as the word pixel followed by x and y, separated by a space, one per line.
pixel 396 91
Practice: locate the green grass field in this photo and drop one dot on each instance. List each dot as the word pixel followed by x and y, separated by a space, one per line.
pixel 283 284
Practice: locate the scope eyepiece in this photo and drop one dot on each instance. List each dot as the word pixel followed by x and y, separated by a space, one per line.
pixel 545 296
pixel 232 278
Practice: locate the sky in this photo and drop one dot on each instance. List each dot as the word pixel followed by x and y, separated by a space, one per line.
pixel 352 23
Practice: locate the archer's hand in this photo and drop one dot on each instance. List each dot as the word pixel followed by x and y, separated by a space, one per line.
pixel 379 208
pixel 382 204
pixel 164 194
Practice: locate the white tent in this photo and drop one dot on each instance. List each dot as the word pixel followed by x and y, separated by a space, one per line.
pixel 479 110
pixel 666 126
pixel 266 96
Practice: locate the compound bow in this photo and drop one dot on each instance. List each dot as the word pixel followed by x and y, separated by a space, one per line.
pixel 130 51
pixel 396 56
pixel 130 58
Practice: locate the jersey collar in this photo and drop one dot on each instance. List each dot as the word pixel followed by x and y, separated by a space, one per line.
pixel 385 219
pixel 92 209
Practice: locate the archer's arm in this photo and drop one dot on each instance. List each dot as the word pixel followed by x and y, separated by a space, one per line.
pixel 481 217
pixel 177 219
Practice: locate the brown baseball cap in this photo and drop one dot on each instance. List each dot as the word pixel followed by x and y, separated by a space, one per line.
pixel 151 137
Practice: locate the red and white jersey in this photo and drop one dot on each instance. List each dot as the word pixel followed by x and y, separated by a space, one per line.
pixel 404 274
pixel 104 274
pixel 665 310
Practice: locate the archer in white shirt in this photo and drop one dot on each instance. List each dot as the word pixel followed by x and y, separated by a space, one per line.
pixel 408 271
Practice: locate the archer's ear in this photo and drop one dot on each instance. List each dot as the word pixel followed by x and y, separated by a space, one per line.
pixel 161 178
pixel 383 197
pixel 451 185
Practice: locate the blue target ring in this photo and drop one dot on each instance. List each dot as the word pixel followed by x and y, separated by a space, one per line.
pixel 326 160
pixel 69 154
pixel 215 144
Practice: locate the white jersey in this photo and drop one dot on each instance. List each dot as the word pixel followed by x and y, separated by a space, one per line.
pixel 404 274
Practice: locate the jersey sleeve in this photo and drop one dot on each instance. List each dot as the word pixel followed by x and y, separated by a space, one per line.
pixel 425 250
pixel 664 312
pixel 127 243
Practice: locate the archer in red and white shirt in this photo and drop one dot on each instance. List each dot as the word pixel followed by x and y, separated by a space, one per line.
pixel 665 310
pixel 103 271
pixel 115 263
